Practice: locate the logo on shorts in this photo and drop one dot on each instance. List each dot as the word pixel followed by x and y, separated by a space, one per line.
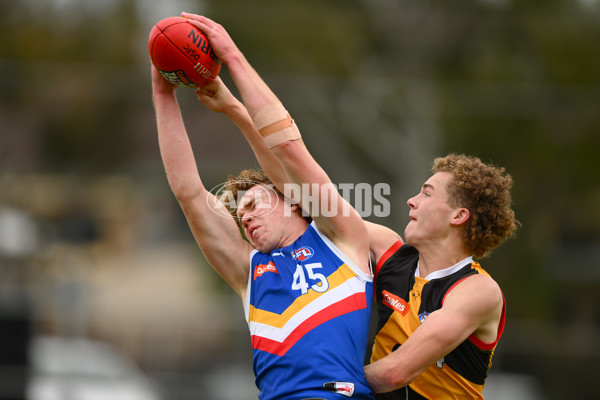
pixel 345 388
pixel 262 268
pixel 395 303
pixel 302 254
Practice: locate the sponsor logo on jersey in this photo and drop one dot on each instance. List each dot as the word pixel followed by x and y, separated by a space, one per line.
pixel 395 303
pixel 262 268
pixel 303 254
pixel 422 316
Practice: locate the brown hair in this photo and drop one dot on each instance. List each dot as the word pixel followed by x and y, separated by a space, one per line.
pixel 243 182
pixel 485 191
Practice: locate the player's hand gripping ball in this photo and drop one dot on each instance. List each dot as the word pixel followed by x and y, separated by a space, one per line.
pixel 182 54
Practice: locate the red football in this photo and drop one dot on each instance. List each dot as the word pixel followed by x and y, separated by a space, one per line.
pixel 182 53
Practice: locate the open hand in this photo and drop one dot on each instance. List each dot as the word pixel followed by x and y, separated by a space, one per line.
pixel 219 39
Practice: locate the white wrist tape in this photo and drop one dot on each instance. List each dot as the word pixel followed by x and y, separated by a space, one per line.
pixel 275 125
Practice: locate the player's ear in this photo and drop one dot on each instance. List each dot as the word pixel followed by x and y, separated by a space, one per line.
pixel 461 215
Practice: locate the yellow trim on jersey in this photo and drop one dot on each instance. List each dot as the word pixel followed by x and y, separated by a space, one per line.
pixel 337 278
pixel 452 389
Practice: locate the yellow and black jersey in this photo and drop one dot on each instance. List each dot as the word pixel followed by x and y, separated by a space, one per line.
pixel 403 302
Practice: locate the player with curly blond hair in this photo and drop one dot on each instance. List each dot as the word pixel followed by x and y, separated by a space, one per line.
pixel 485 191
pixel 440 314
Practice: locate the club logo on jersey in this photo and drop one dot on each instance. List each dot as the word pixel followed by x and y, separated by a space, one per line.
pixel 303 254
pixel 394 302
pixel 262 268
pixel 422 316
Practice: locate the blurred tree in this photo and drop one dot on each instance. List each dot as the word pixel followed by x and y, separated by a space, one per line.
pixel 515 83
pixel 67 75
pixel 379 88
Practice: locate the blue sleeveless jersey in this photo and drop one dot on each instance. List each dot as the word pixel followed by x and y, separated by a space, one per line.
pixel 308 309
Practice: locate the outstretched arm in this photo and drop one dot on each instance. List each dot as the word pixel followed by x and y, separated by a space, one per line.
pixel 332 214
pixel 213 227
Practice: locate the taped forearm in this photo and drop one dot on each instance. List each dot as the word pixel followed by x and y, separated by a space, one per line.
pixel 275 125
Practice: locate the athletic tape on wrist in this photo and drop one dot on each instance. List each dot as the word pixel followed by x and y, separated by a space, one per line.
pixel 275 125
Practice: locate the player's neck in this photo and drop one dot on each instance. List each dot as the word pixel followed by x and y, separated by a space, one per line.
pixel 438 258
pixel 292 234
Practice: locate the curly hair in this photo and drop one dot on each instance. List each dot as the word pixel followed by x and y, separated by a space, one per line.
pixel 485 191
